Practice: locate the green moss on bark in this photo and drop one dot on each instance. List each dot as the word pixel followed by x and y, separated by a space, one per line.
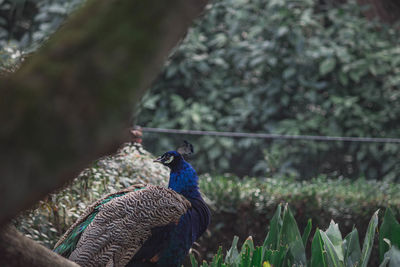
pixel 72 100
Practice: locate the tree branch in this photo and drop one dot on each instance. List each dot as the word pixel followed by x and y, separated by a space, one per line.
pixel 18 250
pixel 72 101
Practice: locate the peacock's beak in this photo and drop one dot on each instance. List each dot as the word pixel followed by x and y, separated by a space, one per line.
pixel 159 159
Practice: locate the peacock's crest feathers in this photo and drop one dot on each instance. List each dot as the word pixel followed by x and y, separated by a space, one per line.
pixel 113 228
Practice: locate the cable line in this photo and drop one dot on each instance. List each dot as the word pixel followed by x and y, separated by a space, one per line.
pixel 273 136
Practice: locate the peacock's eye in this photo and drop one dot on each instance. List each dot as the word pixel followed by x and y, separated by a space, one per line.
pixel 169 159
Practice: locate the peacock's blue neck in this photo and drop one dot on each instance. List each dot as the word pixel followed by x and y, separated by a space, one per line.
pixel 184 180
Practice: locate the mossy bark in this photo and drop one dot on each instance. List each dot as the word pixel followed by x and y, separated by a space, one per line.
pixel 72 101
pixel 387 10
pixel 18 250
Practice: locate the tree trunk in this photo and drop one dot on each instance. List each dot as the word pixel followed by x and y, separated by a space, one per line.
pixel 387 10
pixel 18 250
pixel 73 100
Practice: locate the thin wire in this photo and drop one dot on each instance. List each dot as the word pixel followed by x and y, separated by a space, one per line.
pixel 274 136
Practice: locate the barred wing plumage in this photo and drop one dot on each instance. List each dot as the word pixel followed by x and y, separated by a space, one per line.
pixel 122 223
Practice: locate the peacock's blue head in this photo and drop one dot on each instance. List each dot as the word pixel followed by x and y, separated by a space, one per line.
pixel 170 159
pixel 173 159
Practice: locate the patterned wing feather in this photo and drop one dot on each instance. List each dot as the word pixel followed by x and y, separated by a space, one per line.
pixel 124 223
pixel 68 241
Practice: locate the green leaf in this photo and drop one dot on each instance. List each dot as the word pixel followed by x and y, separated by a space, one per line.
pixel 257 257
pixel 390 229
pixel 369 240
pixel 245 256
pixel 193 260
pixel 335 237
pixel 392 257
pixel 232 256
pixel 352 250
pixel 276 257
pixel 290 236
pixel 288 73
pixel 248 244
pixel 272 239
pixel 318 253
pixel 327 65
pixel 217 259
pixel 306 232
pixel 332 257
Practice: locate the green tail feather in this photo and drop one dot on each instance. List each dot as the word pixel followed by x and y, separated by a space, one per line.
pixel 65 248
pixel 69 244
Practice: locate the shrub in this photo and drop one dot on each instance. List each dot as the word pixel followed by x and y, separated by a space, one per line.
pixel 244 206
pixel 284 246
pixel 284 67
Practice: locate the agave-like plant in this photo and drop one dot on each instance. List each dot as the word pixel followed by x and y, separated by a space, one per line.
pixel 284 246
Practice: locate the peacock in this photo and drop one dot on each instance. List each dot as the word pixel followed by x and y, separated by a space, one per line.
pixel 142 225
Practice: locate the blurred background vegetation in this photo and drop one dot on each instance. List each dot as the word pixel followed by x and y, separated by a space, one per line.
pixel 283 67
pixel 299 67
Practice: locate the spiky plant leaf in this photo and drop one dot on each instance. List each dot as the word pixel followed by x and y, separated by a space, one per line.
pixel 193 260
pixel 331 255
pixel 290 236
pixel 394 257
pixel 369 240
pixel 390 229
pixel 257 257
pixel 246 257
pixel 232 256
pixel 335 237
pixel 391 257
pixel 248 244
pixel 306 232
pixel 318 253
pixel 352 250
pixel 272 239
pixel 217 259
pixel 276 257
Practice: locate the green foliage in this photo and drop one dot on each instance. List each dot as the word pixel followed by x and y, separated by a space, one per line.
pixel 52 216
pixel 347 202
pixel 354 198
pixel 232 201
pixel 285 67
pixel 327 248
pixel 27 23
pixel 389 233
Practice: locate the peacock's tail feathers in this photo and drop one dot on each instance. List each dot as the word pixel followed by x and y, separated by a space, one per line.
pixel 121 223
pixel 69 240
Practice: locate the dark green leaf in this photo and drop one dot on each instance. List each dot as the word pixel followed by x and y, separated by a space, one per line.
pixel 306 232
pixel 318 253
pixel 352 249
pixel 327 65
pixel 390 229
pixel 369 240
pixel 272 239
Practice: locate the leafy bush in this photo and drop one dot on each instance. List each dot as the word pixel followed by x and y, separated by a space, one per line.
pixel 244 206
pixel 285 67
pixel 25 24
pixel 284 246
